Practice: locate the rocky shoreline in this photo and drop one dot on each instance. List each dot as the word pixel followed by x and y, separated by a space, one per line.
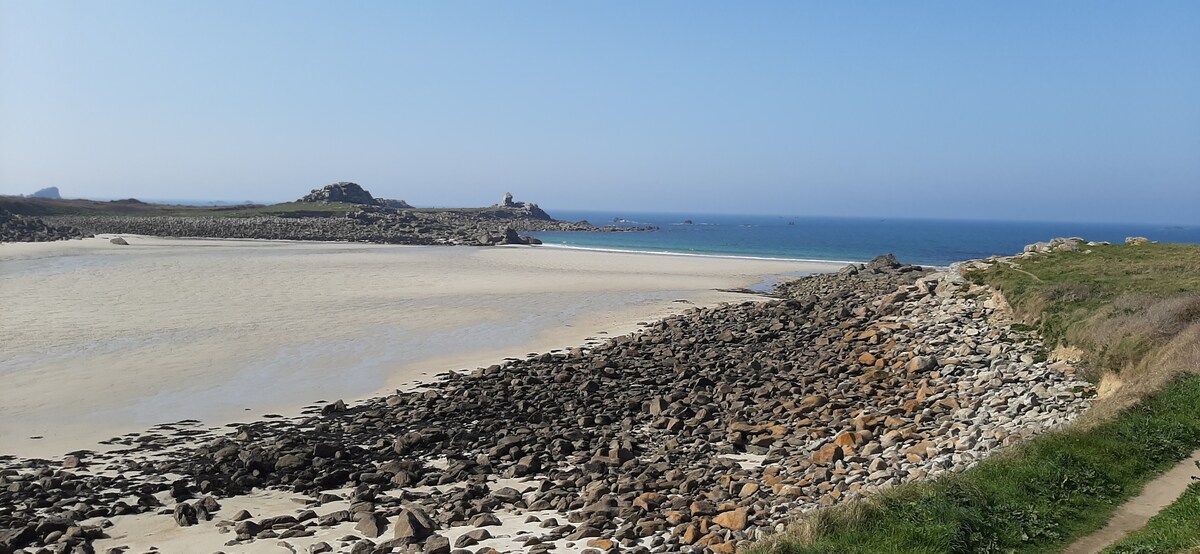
pixel 385 226
pixel 371 219
pixel 698 433
pixel 14 228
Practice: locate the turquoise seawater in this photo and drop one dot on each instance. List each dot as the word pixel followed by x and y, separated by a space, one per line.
pixel 926 242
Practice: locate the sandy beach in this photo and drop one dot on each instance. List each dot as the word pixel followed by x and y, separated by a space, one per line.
pixel 100 339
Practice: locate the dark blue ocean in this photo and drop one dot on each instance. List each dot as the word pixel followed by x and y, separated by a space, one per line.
pixel 926 242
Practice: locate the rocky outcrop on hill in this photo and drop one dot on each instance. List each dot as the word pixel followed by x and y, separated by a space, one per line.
pixel 48 192
pixel 350 193
pixel 695 434
pixel 1059 244
pixel 520 209
pixel 392 203
pixel 15 228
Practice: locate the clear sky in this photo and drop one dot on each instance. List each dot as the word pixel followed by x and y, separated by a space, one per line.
pixel 1002 110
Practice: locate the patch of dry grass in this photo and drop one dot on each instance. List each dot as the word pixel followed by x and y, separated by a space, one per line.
pixel 1132 310
pixel 1133 314
pixel 1179 355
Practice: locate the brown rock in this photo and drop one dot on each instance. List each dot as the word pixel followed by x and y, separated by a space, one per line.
pixel 605 545
pixel 921 363
pixel 847 440
pixel 920 449
pixel 828 454
pixel 811 402
pixel 648 500
pixel 723 548
pixel 734 520
pixel 748 490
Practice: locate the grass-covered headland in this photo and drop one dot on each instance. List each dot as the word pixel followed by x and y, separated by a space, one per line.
pixel 1131 315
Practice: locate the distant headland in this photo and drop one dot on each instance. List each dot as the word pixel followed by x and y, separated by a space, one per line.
pixel 342 211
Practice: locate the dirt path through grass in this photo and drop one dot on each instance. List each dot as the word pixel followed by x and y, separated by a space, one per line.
pixel 1018 269
pixel 1134 514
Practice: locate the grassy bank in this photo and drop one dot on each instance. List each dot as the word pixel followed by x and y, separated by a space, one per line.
pixel 1133 315
pixel 1116 303
pixel 1130 313
pixel 1035 498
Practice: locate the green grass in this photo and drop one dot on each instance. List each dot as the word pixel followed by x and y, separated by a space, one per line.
pixel 1062 290
pixel 1128 308
pixel 1175 529
pixel 1037 497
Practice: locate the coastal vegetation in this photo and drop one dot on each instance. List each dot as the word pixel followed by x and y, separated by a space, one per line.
pixel 1131 315
pixel 1036 497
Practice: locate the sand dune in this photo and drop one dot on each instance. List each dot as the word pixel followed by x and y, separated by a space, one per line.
pixel 99 339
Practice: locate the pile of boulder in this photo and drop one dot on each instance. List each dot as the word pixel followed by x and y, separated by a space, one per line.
pixel 1060 244
pixel 342 191
pixel 507 236
pixel 349 193
pixel 15 228
pixel 696 434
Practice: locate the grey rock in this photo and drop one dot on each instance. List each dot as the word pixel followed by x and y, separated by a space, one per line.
pixel 413 524
pixel 350 193
pixel 185 514
pixel 370 524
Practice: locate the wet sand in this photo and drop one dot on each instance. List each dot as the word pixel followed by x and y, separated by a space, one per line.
pixel 100 340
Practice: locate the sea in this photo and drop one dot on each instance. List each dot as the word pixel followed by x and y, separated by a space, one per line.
pixel 934 242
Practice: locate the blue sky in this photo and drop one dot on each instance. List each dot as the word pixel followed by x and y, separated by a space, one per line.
pixel 1003 110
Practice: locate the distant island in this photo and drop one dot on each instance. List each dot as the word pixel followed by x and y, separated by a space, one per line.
pixel 341 211
pixel 48 192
